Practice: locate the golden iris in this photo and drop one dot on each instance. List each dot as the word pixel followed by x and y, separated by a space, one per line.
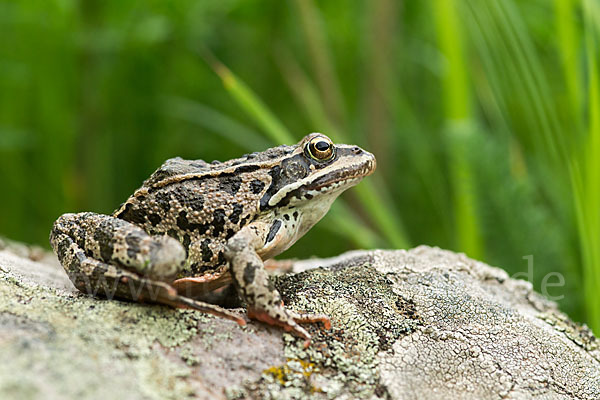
pixel 320 148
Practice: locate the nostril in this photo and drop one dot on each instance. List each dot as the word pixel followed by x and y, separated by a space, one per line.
pixel 356 150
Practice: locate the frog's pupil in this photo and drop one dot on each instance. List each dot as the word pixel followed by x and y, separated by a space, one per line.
pixel 322 146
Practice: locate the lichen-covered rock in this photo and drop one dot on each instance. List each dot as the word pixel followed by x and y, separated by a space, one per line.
pixel 418 324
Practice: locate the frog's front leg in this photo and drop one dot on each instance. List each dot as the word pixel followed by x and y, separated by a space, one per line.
pixel 249 275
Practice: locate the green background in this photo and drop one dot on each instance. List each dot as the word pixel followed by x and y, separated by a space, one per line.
pixel 484 116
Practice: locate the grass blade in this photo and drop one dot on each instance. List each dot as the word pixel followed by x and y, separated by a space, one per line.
pixel 341 220
pixel 321 61
pixel 250 102
pixel 568 43
pixel 305 93
pixel 382 213
pixel 590 221
pixel 459 127
pixel 215 121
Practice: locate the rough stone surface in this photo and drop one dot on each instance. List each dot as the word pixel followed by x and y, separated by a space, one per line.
pixel 418 324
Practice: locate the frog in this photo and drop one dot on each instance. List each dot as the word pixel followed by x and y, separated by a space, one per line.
pixel 194 228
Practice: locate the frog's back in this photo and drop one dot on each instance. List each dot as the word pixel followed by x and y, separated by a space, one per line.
pixel 176 167
pixel 200 204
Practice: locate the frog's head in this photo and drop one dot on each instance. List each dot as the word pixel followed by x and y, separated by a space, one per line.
pixel 315 172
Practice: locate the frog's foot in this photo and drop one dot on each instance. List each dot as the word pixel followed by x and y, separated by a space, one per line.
pixel 302 318
pixel 289 320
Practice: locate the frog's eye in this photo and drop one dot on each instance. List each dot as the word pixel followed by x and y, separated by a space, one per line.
pixel 320 148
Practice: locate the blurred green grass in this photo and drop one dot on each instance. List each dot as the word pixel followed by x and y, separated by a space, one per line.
pixel 484 116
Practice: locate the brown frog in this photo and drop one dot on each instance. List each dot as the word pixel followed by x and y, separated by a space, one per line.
pixel 194 227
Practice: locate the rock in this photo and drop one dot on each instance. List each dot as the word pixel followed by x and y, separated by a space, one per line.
pixel 424 323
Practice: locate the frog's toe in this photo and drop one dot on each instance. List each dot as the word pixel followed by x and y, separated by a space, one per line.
pixel 290 320
pixel 312 318
pixel 185 302
pixel 282 319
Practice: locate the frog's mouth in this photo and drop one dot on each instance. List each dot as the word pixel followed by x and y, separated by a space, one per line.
pixel 342 177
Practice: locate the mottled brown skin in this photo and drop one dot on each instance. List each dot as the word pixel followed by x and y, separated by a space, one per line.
pixel 194 227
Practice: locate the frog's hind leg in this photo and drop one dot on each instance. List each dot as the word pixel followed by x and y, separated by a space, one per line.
pixel 117 242
pixel 76 240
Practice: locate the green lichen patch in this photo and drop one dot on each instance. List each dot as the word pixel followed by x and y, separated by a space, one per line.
pixel 579 334
pixel 63 345
pixel 367 318
pixel 359 301
pixel 291 380
pixel 189 355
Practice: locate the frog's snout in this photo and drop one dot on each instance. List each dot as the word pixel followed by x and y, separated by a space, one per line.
pixel 370 162
pixel 373 163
